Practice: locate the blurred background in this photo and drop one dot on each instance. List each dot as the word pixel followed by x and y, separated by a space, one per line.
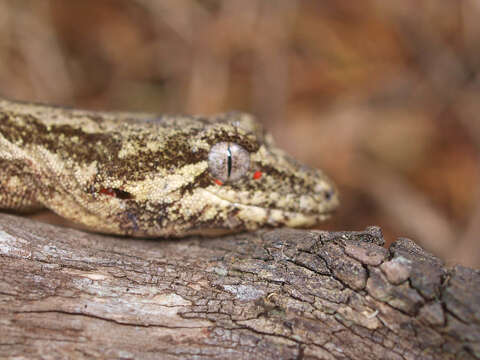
pixel 382 95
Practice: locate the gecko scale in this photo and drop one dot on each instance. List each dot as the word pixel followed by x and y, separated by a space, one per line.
pixel 153 175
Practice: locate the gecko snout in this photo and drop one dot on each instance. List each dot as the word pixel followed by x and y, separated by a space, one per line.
pixel 326 196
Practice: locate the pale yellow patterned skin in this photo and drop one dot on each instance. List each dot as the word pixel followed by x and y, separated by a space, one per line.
pixel 147 175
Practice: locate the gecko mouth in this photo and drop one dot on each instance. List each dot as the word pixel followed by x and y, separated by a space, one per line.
pixel 309 216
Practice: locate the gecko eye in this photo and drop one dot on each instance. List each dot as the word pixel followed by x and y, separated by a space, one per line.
pixel 228 161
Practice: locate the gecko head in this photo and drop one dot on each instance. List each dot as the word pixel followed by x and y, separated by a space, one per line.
pixel 211 175
pixel 257 184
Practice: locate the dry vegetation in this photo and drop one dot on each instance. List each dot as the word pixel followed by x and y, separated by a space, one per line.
pixel 381 94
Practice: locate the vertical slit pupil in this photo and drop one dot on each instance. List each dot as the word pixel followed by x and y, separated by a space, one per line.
pixel 229 161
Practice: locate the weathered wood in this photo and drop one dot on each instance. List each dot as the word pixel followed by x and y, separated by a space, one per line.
pixel 281 294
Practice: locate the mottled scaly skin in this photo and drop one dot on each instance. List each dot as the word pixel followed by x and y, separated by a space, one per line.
pixel 73 161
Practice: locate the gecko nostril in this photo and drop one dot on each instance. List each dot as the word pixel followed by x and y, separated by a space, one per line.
pixel 328 194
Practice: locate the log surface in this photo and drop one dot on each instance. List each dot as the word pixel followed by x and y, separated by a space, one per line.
pixel 283 294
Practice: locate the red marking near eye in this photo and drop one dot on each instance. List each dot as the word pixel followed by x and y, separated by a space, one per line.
pixel 257 175
pixel 218 182
pixel 109 192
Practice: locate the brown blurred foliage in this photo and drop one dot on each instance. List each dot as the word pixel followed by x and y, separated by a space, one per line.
pixel 382 95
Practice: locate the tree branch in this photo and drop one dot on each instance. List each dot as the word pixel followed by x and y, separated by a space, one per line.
pixel 281 294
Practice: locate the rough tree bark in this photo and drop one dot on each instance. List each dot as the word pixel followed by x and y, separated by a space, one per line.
pixel 284 294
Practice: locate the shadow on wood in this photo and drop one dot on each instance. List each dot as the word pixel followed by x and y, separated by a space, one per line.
pixel 281 294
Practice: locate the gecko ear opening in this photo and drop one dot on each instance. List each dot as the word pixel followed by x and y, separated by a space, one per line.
pixel 124 195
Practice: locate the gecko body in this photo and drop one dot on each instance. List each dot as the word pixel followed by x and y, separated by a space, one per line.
pixel 154 176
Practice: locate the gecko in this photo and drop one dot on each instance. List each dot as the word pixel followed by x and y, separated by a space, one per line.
pixel 150 175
